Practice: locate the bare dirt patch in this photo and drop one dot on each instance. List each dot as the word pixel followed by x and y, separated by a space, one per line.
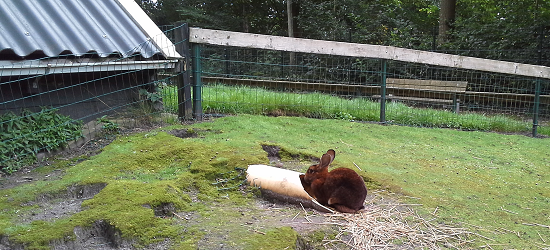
pixel 50 207
pixel 184 133
pixel 258 219
pixel 296 162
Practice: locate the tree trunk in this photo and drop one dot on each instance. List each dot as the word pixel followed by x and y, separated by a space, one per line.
pixel 447 13
pixel 290 20
pixel 246 25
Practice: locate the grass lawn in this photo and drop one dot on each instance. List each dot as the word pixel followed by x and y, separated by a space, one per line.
pixel 496 185
pixel 493 184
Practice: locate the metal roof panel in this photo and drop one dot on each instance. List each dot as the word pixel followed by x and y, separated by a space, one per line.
pixel 49 28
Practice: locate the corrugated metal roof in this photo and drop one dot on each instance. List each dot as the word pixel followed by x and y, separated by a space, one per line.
pixel 32 29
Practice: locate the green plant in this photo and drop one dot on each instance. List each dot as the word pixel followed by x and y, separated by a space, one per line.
pixel 108 127
pixel 151 96
pixel 22 137
pixel 344 116
pixel 169 98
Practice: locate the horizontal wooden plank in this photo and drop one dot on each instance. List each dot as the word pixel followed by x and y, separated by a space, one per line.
pixel 448 86
pixel 247 40
pixel 414 99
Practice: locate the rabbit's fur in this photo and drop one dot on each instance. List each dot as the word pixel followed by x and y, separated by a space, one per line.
pixel 341 188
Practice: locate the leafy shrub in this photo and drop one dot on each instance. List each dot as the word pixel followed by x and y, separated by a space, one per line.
pixel 108 127
pixel 22 137
pixel 344 116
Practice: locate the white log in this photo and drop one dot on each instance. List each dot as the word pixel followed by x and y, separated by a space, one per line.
pixel 283 182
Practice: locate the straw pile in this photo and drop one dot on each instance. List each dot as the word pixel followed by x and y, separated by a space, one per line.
pixel 394 226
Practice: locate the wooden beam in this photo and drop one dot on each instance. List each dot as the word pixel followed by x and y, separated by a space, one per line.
pixel 61 66
pixel 257 41
pixel 435 85
pixel 183 81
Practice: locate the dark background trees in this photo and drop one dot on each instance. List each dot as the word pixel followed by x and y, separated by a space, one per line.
pixel 500 29
pixel 506 30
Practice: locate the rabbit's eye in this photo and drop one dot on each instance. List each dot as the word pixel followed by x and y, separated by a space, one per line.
pixel 310 171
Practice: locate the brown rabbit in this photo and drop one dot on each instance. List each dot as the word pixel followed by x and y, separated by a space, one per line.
pixel 341 188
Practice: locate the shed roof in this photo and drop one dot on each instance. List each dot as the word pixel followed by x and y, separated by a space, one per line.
pixel 34 29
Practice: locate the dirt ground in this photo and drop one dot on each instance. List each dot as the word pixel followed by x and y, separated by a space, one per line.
pixel 268 212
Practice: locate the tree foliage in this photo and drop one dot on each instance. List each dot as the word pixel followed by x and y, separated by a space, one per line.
pixel 506 28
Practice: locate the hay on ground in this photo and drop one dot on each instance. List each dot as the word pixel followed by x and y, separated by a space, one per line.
pixel 394 226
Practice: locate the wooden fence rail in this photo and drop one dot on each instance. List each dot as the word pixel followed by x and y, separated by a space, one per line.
pixel 256 41
pixel 199 36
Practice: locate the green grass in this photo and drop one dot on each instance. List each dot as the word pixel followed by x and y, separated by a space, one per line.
pixel 225 99
pixel 493 184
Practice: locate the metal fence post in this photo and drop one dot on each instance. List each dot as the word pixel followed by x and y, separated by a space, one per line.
pixel 383 75
pixel 536 104
pixel 536 107
pixel 197 82
pixel 181 36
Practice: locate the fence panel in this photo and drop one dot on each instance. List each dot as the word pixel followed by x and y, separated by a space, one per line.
pixel 47 103
pixel 326 80
pixel 493 95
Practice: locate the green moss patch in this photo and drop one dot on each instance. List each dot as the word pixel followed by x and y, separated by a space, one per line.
pixel 280 238
pixel 148 179
pixel 188 191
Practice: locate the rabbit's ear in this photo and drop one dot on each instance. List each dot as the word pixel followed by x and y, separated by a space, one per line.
pixel 327 158
pixel 332 153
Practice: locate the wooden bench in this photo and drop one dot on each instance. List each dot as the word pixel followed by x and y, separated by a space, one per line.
pixel 429 91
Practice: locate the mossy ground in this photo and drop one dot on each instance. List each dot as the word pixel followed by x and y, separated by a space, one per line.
pixel 496 185
pixel 144 171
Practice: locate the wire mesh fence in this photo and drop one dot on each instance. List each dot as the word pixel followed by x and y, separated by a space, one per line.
pixel 69 97
pixel 51 102
pixel 424 97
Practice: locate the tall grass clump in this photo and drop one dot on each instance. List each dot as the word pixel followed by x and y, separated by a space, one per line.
pixel 170 98
pixel 247 100
pixel 544 130
pixel 223 99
